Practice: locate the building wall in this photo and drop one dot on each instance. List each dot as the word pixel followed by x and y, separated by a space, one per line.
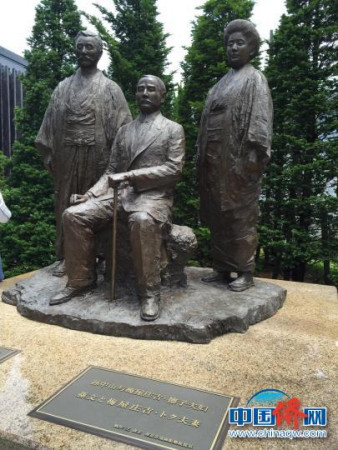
pixel 11 96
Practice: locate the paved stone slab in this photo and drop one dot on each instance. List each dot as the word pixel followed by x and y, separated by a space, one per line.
pixel 294 351
pixel 195 314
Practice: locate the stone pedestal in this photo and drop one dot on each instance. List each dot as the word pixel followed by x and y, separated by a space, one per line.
pixel 179 245
pixel 196 313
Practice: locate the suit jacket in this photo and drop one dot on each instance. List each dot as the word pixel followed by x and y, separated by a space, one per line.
pixel 151 149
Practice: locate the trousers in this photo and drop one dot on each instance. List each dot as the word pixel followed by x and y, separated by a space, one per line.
pixel 82 221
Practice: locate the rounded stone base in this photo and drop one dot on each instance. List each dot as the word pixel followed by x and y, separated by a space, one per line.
pixel 196 314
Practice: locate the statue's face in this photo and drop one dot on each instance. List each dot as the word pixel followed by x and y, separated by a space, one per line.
pixel 238 50
pixel 148 95
pixel 88 51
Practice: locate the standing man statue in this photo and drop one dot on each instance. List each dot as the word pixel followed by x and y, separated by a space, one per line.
pixel 233 150
pixel 146 162
pixel 80 124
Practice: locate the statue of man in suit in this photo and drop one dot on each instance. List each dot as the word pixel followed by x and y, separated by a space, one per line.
pixel 146 162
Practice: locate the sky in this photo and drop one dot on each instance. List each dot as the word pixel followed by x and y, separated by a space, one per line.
pixel 17 20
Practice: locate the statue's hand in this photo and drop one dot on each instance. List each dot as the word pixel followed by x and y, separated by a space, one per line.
pixel 117 178
pixel 75 199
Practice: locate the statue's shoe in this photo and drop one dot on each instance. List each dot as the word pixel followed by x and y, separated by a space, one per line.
pixel 60 269
pixel 68 293
pixel 217 276
pixel 150 308
pixel 242 283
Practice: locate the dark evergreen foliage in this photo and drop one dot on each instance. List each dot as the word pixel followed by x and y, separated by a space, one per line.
pixel 299 207
pixel 137 46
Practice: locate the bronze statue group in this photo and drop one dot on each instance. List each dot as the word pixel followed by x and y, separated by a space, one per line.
pixel 91 146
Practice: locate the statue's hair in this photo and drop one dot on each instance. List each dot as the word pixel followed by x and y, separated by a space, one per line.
pixel 92 34
pixel 158 80
pixel 249 31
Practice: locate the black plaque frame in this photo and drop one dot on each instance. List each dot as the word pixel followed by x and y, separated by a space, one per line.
pixel 11 352
pixel 122 437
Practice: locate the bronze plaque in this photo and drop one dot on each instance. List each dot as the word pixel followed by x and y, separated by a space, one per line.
pixel 140 411
pixel 6 353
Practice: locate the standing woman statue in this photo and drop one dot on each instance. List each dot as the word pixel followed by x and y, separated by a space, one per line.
pixel 234 148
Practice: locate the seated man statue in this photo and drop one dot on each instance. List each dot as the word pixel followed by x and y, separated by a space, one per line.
pixel 146 162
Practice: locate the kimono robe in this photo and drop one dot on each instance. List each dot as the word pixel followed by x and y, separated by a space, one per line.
pixel 77 132
pixel 234 147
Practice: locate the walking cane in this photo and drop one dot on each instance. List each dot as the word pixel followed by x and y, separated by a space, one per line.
pixel 113 265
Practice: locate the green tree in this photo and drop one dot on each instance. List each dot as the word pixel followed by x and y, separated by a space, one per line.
pixel 204 65
pixel 300 191
pixel 27 241
pixel 137 46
